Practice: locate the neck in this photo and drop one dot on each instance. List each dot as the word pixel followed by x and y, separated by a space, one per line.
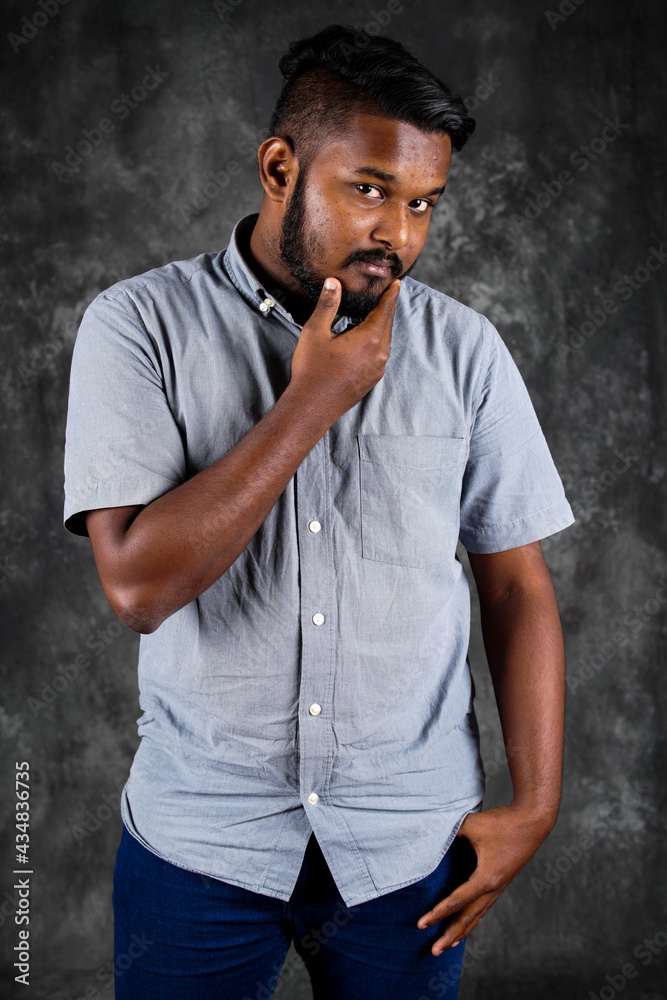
pixel 262 256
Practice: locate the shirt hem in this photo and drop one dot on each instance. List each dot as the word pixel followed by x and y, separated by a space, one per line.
pixel 385 890
pixel 131 829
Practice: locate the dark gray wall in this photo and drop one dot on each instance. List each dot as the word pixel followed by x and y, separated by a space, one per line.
pixel 590 345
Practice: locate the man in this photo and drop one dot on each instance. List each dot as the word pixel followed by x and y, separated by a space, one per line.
pixel 274 470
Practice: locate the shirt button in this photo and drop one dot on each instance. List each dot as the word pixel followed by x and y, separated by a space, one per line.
pixel 313 798
pixel 318 619
pixel 266 305
pixel 314 526
pixel 315 709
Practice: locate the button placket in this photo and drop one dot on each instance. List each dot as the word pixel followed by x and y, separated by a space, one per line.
pixel 317 595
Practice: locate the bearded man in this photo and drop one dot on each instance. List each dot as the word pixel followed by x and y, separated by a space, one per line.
pixel 274 450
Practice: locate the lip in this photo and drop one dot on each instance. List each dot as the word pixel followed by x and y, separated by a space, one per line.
pixel 379 270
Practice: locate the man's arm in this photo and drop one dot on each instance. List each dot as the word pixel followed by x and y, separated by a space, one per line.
pixel 154 559
pixel 523 640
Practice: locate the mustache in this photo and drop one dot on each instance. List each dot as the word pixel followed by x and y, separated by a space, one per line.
pixel 378 257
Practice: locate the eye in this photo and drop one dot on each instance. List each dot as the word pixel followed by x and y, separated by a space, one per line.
pixel 370 187
pixel 425 205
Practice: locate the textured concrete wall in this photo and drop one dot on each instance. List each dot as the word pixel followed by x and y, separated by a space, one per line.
pixel 570 270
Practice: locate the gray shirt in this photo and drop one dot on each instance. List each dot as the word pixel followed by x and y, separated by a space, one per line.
pixel 322 683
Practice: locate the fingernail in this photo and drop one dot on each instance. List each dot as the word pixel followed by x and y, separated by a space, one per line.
pixel 330 285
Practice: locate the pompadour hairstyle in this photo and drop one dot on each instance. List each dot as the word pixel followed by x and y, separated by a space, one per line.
pixel 330 77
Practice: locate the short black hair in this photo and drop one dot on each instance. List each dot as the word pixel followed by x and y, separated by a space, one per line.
pixel 331 77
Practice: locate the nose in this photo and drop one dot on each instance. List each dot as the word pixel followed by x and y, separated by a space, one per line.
pixel 393 227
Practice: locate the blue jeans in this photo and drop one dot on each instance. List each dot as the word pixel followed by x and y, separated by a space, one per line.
pixel 179 934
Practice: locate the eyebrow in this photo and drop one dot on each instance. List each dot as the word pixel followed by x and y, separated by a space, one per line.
pixel 383 175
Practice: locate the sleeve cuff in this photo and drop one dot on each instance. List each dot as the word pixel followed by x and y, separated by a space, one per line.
pixel 498 537
pixel 113 493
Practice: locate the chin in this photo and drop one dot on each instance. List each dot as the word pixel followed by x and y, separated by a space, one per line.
pixel 358 307
pixel 356 303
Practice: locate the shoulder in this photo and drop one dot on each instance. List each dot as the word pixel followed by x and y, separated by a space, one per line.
pixel 137 313
pixel 147 307
pixel 458 324
pixel 165 280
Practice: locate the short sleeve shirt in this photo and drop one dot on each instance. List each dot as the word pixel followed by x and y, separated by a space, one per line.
pixel 322 683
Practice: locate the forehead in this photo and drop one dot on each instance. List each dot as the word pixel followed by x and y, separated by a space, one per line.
pixel 394 146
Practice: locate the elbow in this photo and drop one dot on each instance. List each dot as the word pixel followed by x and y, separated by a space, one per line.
pixel 138 624
pixel 136 609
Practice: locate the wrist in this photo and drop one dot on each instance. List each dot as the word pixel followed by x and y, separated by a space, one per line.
pixel 310 405
pixel 540 813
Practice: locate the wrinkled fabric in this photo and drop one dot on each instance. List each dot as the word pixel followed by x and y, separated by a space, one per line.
pixel 330 660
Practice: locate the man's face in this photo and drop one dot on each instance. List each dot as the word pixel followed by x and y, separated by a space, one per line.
pixel 365 201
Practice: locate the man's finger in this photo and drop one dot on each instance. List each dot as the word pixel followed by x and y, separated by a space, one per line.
pixel 387 302
pixel 392 298
pixel 463 924
pixel 383 312
pixel 385 305
pixel 464 894
pixel 328 302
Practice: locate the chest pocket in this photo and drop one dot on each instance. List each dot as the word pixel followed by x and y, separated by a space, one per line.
pixel 410 489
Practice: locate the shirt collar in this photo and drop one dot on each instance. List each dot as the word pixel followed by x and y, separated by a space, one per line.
pixel 264 300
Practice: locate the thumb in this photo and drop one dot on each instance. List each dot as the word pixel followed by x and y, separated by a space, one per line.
pixel 329 298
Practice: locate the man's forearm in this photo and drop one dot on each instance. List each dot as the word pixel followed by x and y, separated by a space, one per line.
pixel 523 639
pixel 524 647
pixel 181 543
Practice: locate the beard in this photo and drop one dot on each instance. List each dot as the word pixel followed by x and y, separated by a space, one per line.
pixel 298 247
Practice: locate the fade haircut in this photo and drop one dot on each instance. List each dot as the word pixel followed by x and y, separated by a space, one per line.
pixel 329 78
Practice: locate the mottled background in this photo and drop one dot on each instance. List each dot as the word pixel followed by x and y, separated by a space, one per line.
pixel 574 286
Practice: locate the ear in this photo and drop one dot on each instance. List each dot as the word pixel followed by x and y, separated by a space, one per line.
pixel 278 167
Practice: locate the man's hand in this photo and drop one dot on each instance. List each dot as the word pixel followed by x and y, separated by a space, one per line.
pixel 504 839
pixel 333 372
